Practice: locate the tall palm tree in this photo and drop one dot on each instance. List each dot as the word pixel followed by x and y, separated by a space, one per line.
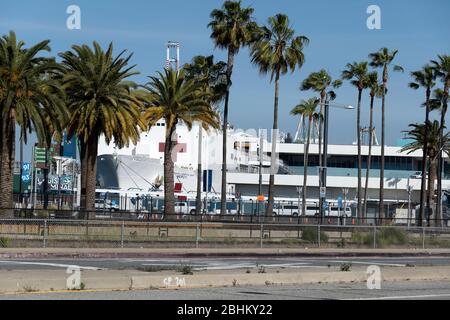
pixel 307 109
pixel 320 82
pixel 212 79
pixel 277 52
pixel 29 96
pixel 101 102
pixel 375 91
pixel 424 78
pixel 417 134
pixel 442 68
pixel 176 100
pixel 383 59
pixel 356 73
pixel 232 28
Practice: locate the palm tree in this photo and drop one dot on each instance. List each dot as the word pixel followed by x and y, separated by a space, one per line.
pixel 320 82
pixel 232 28
pixel 356 73
pixel 211 77
pixel 424 78
pixel 101 102
pixel 29 96
pixel 442 68
pixel 307 109
pixel 277 52
pixel 375 91
pixel 383 59
pixel 176 100
pixel 417 134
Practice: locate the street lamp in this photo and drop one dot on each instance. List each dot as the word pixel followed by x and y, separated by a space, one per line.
pixel 323 170
pixel 409 189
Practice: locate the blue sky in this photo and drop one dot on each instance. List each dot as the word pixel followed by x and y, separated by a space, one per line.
pixel 337 30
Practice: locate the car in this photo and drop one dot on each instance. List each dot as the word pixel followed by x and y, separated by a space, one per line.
pixel 416 175
pixel 105 205
pixel 338 212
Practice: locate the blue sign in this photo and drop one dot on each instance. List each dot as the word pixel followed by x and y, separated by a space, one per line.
pixel 26 167
pixel 26 177
pixel 340 202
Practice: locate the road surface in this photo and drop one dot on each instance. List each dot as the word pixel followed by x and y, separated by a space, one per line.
pixel 354 291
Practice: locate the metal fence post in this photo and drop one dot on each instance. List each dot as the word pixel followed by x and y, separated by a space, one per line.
pixel 196 235
pixel 318 234
pixel 423 237
pixel 122 227
pixel 45 234
pixel 261 236
pixel 374 236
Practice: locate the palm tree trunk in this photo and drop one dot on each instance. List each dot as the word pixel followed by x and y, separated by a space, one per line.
pixel 322 99
pixel 198 202
pixel 91 173
pixel 321 116
pixel 383 100
pixel 223 198
pixel 169 197
pixel 369 157
pixel 424 160
pixel 7 166
pixel 84 163
pixel 273 164
pixel 358 128
pixel 431 179
pixel 440 158
pixel 305 167
pixel 2 152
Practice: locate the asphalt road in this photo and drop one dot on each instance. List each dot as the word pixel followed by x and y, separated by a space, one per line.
pixel 219 263
pixel 354 291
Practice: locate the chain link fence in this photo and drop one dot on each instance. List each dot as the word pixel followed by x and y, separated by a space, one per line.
pixel 128 233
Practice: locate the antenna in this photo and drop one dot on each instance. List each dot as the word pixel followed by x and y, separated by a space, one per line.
pixel 173 58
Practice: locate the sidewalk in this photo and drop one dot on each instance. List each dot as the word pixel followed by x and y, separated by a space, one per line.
pixel 42 253
pixel 38 281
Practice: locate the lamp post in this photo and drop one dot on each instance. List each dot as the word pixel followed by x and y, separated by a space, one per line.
pixel 345 193
pixel 409 189
pixel 323 169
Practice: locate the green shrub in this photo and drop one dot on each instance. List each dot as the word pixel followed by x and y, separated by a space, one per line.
pixel 4 242
pixel 362 238
pixel 345 267
pixel 42 214
pixel 310 234
pixel 291 241
pixel 230 240
pixel 186 270
pixel 388 236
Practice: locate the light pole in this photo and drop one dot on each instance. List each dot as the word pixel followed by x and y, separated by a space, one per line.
pixel 323 169
pixel 345 193
pixel 409 189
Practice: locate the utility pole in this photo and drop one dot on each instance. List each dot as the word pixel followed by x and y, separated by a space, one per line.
pixel 260 156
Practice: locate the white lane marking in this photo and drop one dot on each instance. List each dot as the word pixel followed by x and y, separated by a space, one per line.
pixel 404 297
pixel 370 263
pixel 284 264
pixel 59 265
